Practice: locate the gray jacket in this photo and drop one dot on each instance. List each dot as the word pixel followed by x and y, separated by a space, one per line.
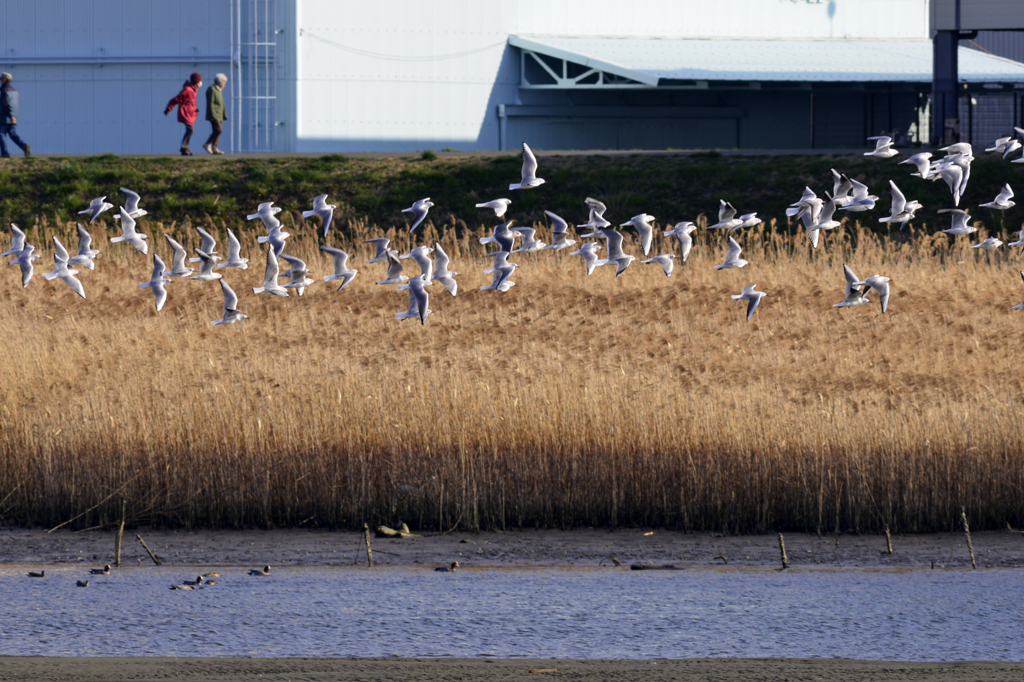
pixel 8 103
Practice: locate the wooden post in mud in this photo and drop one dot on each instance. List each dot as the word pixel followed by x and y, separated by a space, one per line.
pixel 369 552
pixel 120 533
pixel 888 540
pixel 154 557
pixel 967 532
pixel 782 549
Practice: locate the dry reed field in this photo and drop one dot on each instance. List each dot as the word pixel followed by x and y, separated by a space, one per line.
pixel 568 401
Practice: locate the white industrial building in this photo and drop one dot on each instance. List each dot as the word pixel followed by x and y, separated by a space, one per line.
pixel 398 75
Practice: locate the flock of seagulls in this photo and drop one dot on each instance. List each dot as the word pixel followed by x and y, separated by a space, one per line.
pixel 816 214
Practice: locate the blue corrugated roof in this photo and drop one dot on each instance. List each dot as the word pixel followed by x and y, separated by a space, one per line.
pixel 649 60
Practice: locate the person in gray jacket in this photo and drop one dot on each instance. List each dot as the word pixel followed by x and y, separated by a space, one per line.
pixel 9 117
pixel 216 112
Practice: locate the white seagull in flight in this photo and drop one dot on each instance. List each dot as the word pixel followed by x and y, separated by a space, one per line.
pixel 529 175
pixel 752 297
pixel 419 212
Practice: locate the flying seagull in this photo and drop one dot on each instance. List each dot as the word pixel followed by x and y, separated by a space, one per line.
pixel 902 211
pixel 96 206
pixel 418 295
pixel 231 314
pixel 642 223
pixel 989 244
pixel 421 254
pixel 235 259
pixel 879 284
pixel 1019 242
pixel 682 232
pixel 859 200
pixel 615 253
pixel 752 297
pixel 727 219
pixel 855 293
pixel 178 267
pixel 341 269
pixel 529 178
pixel 418 300
pixel 267 213
pixel 86 253
pixel 922 162
pixel 395 268
pixel 732 257
pixel 419 211
pixel 441 272
pixel 503 236
pixel 883 147
pixel 381 246
pixel 275 237
pixel 128 233
pixel 559 233
pixel 664 260
pixel 297 274
pixel 1019 306
pixel 206 273
pixel 1002 201
pixel 208 246
pixel 501 280
pixel 270 284
pixel 17 242
pixel 498 205
pixel 61 270
pixel 131 205
pixel 323 210
pixel 157 282
pixel 24 261
pixel 960 225
pixel 530 241
pixel 826 221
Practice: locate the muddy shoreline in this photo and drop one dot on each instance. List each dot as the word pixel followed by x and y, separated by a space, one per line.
pixel 315 669
pixel 579 548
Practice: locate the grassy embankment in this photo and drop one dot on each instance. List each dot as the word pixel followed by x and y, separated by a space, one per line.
pixel 567 401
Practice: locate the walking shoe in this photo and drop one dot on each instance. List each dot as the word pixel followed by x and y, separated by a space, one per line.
pixel 208 148
pixel 28 150
pixel 185 152
pixel 216 150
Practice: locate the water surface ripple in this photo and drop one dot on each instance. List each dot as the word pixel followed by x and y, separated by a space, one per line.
pixel 919 615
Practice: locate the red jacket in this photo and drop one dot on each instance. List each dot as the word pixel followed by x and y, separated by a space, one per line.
pixel 186 101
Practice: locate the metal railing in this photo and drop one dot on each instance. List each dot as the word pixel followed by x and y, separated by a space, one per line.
pixel 253 72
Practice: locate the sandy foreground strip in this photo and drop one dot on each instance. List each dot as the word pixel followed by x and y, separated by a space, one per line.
pixel 583 548
pixel 231 669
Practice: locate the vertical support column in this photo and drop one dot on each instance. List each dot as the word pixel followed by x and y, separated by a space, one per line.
pixel 970 118
pixel 811 132
pixel 254 70
pixel 502 118
pixel 235 77
pixel 945 114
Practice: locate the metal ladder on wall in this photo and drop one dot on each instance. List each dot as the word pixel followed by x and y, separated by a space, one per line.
pixel 253 75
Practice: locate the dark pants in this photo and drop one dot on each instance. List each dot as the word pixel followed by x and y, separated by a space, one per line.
pixel 218 128
pixel 8 130
pixel 188 136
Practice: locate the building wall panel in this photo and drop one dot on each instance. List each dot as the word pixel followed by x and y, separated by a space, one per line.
pixel 91 107
pixel 1009 44
pixel 976 14
pixel 439 69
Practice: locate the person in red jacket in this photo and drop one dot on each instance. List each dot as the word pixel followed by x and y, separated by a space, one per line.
pixel 187 109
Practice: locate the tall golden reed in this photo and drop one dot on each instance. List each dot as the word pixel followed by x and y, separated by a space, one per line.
pixel 568 401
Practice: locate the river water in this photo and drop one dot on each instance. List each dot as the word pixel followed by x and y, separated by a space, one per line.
pixel 916 615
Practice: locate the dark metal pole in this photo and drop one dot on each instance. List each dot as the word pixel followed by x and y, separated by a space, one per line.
pixel 970 118
pixel 944 82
